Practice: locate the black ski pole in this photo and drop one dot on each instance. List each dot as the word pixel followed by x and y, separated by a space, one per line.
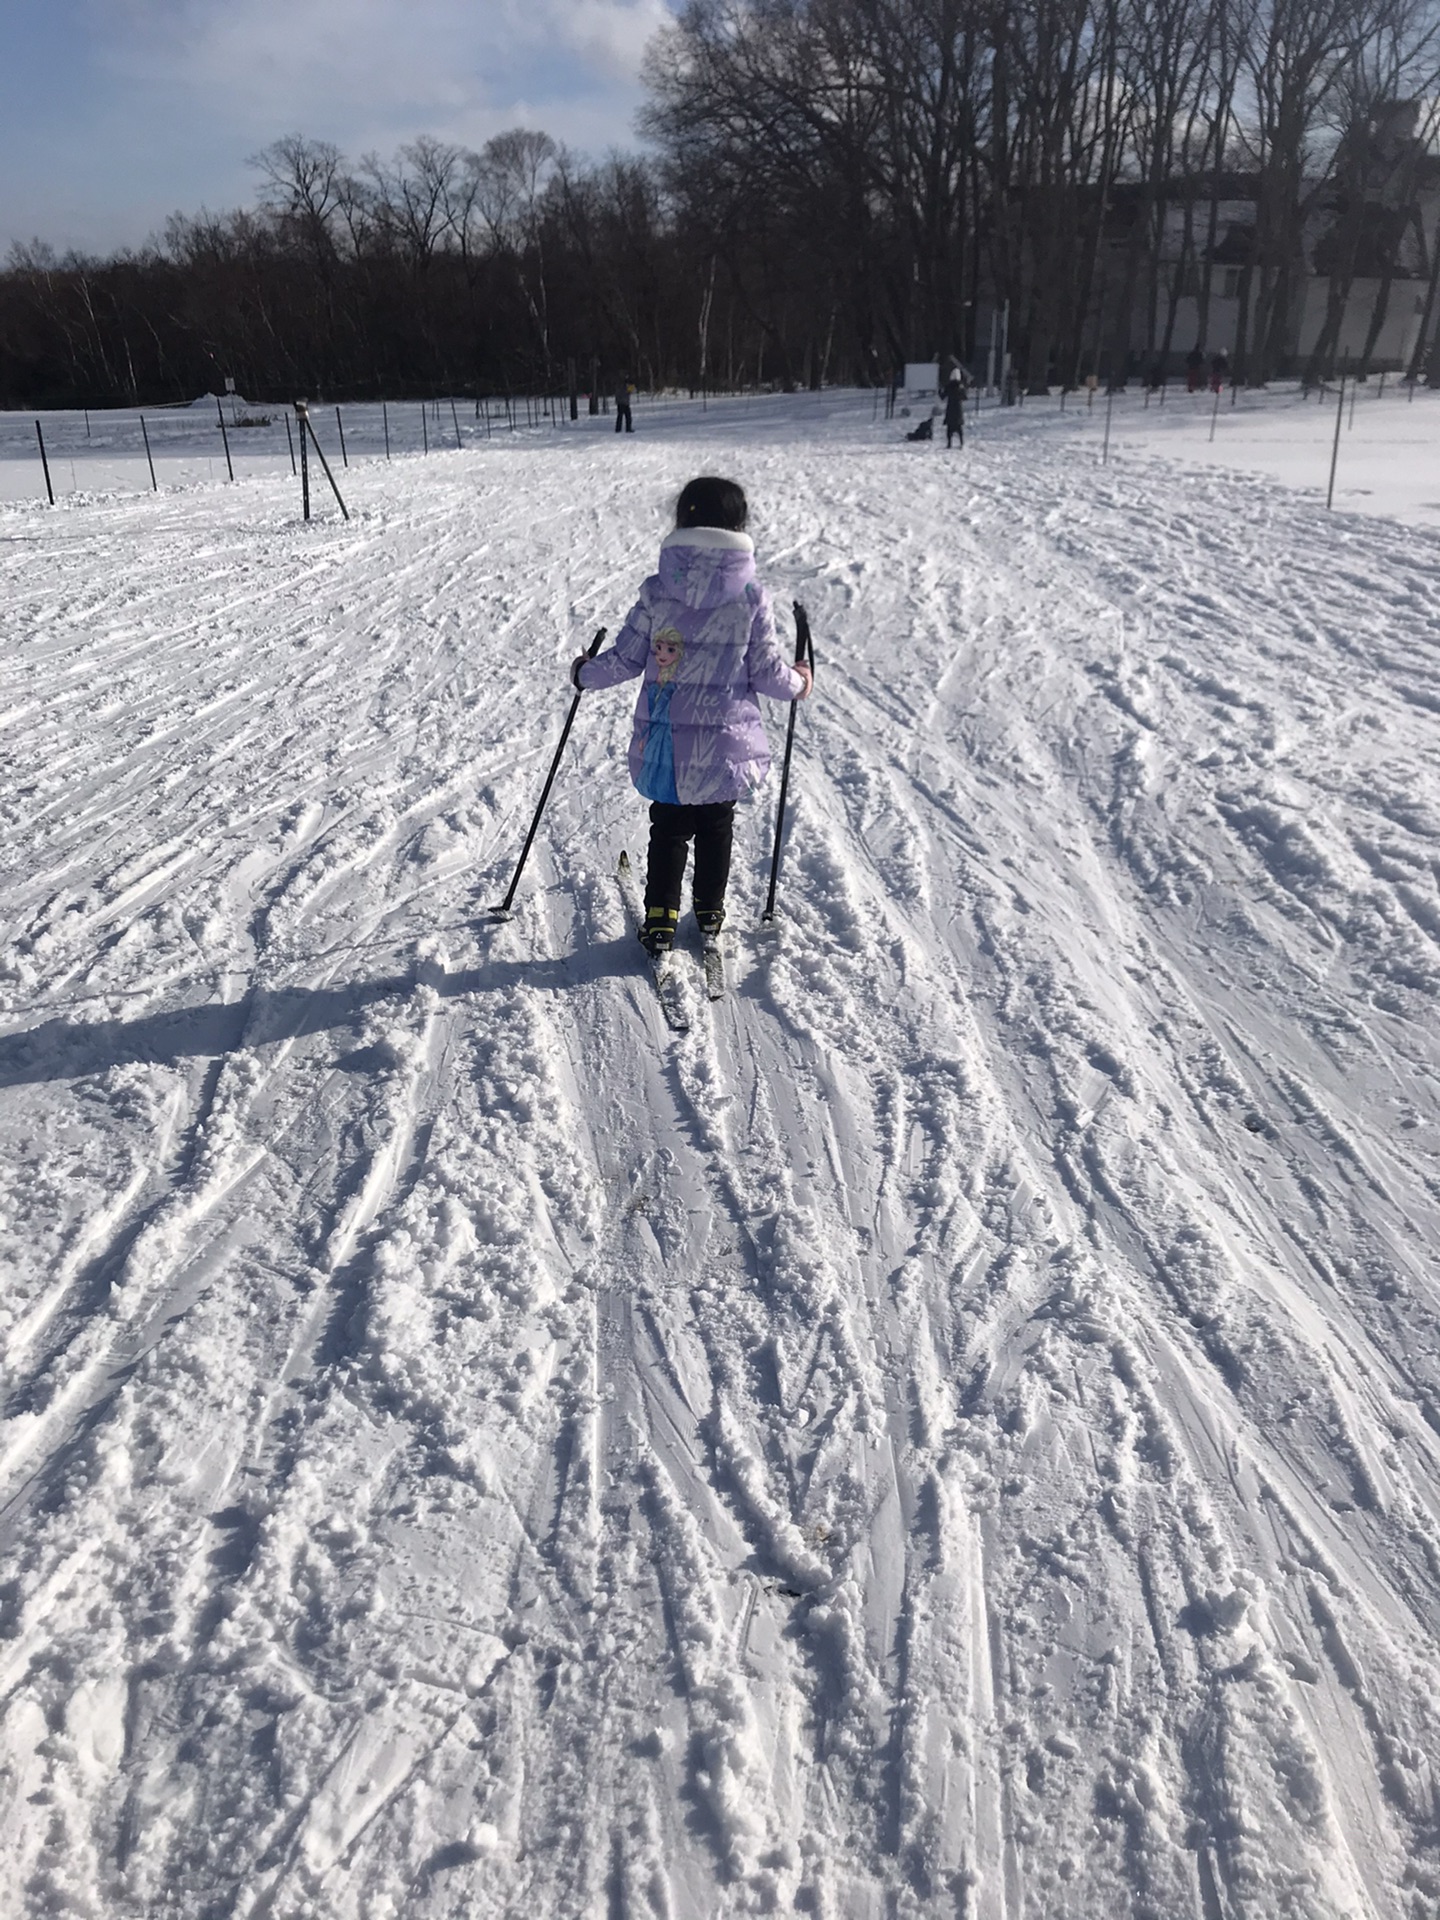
pixel 503 909
pixel 804 651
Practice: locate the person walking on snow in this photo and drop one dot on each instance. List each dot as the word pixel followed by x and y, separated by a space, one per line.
pixel 955 407
pixel 703 637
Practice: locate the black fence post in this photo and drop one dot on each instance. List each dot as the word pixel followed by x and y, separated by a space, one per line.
pixel 50 491
pixel 220 416
pixel 301 414
pixel 340 429
pixel 1335 449
pixel 320 451
pixel 149 457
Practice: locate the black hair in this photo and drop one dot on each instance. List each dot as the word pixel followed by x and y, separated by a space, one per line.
pixel 708 502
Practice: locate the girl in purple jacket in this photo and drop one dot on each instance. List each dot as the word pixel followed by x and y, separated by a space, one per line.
pixel 703 636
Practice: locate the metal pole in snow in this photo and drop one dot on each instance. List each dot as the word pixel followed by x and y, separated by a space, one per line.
pixel 385 421
pixel 1215 413
pixel 220 416
pixel 340 429
pixel 326 465
pixel 456 418
pixel 1109 409
pixel 424 430
pixel 290 442
pixel 300 415
pixel 45 463
pixel 1335 450
pixel 145 436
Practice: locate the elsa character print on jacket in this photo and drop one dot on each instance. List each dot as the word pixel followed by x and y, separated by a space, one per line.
pixel 703 636
pixel 657 767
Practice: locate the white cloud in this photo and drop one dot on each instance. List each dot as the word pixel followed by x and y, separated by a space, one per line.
pixel 374 72
pixel 167 98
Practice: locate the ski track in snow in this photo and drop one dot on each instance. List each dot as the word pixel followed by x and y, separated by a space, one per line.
pixel 954 1433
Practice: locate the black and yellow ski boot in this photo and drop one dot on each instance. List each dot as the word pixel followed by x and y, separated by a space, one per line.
pixel 657 936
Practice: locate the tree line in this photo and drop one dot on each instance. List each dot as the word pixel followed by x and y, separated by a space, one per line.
pixel 827 188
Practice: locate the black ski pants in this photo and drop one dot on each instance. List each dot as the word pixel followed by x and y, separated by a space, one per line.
pixel 622 417
pixel 671 830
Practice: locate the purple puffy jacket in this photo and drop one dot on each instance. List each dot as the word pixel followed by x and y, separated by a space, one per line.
pixel 702 627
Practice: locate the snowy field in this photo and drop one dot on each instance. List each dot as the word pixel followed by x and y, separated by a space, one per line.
pixel 957 1433
pixel 1389 456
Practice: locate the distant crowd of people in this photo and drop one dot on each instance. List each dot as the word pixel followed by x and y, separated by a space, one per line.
pixel 1200 370
pixel 1195 370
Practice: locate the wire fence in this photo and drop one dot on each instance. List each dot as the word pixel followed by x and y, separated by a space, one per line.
pixel 74 455
pixel 78 452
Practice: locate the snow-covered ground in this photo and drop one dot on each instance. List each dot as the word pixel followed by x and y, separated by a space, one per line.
pixel 956 1433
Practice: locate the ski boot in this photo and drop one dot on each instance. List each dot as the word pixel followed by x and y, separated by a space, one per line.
pixel 710 920
pixel 657 936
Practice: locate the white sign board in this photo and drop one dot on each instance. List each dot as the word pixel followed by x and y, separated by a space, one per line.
pixel 922 376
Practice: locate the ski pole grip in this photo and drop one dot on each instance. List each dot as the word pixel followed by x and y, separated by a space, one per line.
pixel 590 653
pixel 804 646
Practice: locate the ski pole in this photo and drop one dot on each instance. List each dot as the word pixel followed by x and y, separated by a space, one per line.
pixel 502 911
pixel 804 651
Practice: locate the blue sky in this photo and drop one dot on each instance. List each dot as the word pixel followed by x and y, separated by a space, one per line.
pixel 114 113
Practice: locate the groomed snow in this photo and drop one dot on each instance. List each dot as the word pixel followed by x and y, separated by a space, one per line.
pixel 957 1432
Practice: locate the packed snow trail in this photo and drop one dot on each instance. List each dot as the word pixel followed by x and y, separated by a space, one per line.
pixel 955 1432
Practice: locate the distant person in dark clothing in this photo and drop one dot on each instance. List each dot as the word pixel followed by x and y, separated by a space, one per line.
pixel 955 408
pixel 1219 367
pixel 622 405
pixel 1194 371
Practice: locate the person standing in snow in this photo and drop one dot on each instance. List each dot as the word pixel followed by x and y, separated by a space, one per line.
pixel 622 405
pixel 703 637
pixel 955 407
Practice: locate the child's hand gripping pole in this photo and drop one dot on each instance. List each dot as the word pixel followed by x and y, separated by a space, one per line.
pixel 503 909
pixel 804 656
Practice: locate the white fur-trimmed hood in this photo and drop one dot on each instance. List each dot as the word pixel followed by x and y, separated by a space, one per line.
pixel 709 539
pixel 706 566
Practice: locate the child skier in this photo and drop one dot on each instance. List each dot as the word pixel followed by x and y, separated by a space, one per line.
pixel 702 635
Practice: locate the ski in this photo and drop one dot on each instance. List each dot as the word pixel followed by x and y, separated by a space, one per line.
pixel 662 965
pixel 714 957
